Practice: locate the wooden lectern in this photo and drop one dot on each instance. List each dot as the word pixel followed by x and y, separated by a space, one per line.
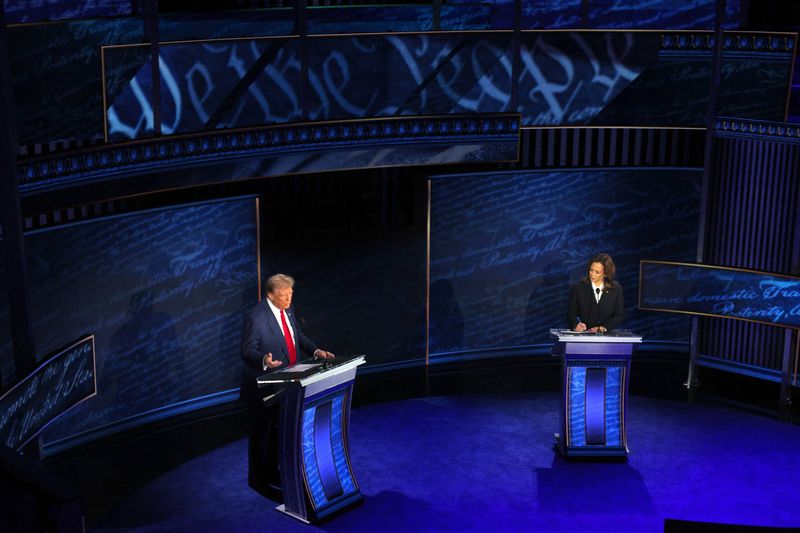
pixel 316 476
pixel 594 391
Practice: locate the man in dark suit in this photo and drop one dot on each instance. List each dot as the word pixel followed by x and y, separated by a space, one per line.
pixel 596 304
pixel 271 338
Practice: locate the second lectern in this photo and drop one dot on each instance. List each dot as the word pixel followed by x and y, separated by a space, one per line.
pixel 594 392
pixel 316 475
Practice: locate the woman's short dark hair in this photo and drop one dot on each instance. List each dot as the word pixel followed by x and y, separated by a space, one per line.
pixel 609 269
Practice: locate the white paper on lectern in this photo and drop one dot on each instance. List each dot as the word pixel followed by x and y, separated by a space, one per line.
pixel 298 368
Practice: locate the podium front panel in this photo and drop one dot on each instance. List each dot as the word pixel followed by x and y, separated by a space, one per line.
pixel 316 476
pixel 328 474
pixel 595 403
pixel 595 374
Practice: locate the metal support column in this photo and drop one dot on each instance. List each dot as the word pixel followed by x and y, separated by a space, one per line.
pixel 151 35
pixel 708 161
pixel 301 30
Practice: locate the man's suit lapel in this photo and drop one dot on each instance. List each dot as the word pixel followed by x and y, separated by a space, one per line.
pixel 276 330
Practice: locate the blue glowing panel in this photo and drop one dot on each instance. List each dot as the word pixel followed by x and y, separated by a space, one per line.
pixel 27 11
pixel 549 14
pixel 613 405
pixel 226 25
pixel 61 382
pixel 661 14
pixel 338 445
pixel 595 394
pixel 556 14
pixel 197 84
pixel 325 457
pixel 722 292
pixel 568 78
pixel 506 247
pixel 323 452
pixel 163 291
pixel 56 74
pixel 755 74
pixel 198 81
pixel 315 486
pixel 576 379
pixel 419 74
pixel 375 19
pixel 499 15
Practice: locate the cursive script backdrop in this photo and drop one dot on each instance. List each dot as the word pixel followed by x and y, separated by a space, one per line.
pixel 721 292
pixel 570 78
pixel 61 382
pixel 506 247
pixel 163 291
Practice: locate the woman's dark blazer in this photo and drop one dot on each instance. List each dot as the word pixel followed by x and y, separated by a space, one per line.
pixel 609 312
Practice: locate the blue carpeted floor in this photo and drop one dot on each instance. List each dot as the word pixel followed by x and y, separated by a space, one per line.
pixel 486 463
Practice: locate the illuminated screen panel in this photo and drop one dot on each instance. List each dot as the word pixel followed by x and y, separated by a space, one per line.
pixel 661 14
pixel 163 292
pixel 24 11
pixel 202 87
pixel 506 247
pixel 721 292
pixel 420 74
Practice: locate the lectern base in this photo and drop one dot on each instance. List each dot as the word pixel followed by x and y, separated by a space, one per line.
pixel 573 452
pixel 282 508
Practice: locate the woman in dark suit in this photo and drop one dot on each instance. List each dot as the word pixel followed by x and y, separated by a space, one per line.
pixel 595 302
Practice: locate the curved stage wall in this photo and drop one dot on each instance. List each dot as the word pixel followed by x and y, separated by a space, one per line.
pixel 506 247
pixel 163 292
pixel 657 78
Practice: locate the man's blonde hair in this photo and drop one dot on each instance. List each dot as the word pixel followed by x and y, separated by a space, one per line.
pixel 279 281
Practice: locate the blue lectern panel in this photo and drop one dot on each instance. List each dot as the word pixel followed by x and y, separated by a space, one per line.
pixel 310 461
pixel 337 443
pixel 323 452
pixel 576 401
pixel 595 405
pixel 613 406
pixel 324 455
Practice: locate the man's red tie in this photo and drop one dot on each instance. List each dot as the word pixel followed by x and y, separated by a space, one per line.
pixel 289 341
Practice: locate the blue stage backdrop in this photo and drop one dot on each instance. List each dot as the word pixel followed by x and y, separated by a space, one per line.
pixel 723 292
pixel 506 247
pixel 163 291
pixel 574 78
pixel 27 11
